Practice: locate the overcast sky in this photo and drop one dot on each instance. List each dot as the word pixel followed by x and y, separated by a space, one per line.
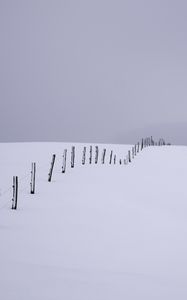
pixel 93 71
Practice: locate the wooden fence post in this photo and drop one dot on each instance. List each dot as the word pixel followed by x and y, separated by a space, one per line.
pixel 111 154
pixel 129 156
pixel 84 156
pixel 103 156
pixel 132 152
pixel 138 147
pixel 64 161
pixel 142 144
pixel 33 178
pixel 96 154
pixel 72 156
pixel 90 159
pixel 114 159
pixel 15 192
pixel 51 169
pixel 135 149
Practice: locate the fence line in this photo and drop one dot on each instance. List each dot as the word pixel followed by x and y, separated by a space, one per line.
pixel 129 157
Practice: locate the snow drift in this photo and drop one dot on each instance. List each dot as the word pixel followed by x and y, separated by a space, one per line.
pixel 96 232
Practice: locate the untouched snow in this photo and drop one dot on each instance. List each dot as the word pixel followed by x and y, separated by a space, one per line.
pixel 100 232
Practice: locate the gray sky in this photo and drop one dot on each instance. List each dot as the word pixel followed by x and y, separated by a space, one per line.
pixel 93 71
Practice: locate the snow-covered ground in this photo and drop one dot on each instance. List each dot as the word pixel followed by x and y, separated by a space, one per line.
pixel 97 232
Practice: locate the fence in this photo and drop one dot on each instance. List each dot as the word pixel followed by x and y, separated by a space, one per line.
pixel 88 157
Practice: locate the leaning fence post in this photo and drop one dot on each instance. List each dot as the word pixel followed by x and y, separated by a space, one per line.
pixel 111 154
pixel 64 161
pixel 15 192
pixel 51 169
pixel 33 177
pixel 103 156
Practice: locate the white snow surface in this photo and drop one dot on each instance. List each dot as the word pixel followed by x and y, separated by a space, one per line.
pixel 97 232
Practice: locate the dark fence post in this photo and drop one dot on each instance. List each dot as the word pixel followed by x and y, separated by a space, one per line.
pixel 84 156
pixel 33 177
pixel 135 151
pixel 15 192
pixel 90 160
pixel 96 154
pixel 72 156
pixel 64 161
pixel 51 169
pixel 103 156
pixel 129 156
pixel 138 147
pixel 142 144
pixel 114 159
pixel 111 154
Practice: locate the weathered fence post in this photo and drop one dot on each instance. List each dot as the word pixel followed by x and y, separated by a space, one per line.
pixel 72 156
pixel 33 178
pixel 15 192
pixel 90 159
pixel 138 147
pixel 120 162
pixel 111 154
pixel 103 156
pixel 51 169
pixel 129 156
pixel 84 156
pixel 132 152
pixel 135 149
pixel 96 154
pixel 114 159
pixel 142 144
pixel 64 161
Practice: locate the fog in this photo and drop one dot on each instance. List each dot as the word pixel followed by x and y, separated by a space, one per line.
pixel 93 71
